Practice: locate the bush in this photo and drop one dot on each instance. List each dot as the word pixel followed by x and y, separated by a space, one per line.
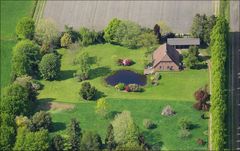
pixel 147 123
pixel 36 85
pixel 50 66
pixel 202 97
pixel 66 40
pixel 120 86
pixel 184 134
pixel 168 111
pixel 87 92
pixel 185 123
pixel 25 28
pixel 88 37
pixel 134 88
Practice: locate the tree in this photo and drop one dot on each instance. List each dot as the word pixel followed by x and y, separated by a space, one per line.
pixel 191 58
pixel 219 47
pixel 165 29
pixel 87 37
pixel 202 27
pixel 109 140
pixel 147 40
pixel 25 28
pixel 157 32
pixel 75 134
pixel 7 131
pixel 110 30
pixel 101 107
pixel 202 97
pixel 87 92
pixel 41 120
pixel 125 130
pixel 16 101
pixel 91 141
pixel 127 34
pixel 74 34
pixel 25 58
pixel 31 141
pixel 57 143
pixel 84 63
pixel 46 32
pixel 50 66
pixel 66 40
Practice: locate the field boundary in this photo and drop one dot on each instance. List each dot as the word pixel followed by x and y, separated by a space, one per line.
pixel 38 12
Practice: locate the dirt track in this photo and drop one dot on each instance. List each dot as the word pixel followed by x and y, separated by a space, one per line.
pixel 96 14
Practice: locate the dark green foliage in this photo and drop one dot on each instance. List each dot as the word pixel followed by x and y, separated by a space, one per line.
pixel 16 101
pixel 25 58
pixel 157 32
pixel 50 66
pixel 202 27
pixel 25 28
pixel 219 47
pixel 74 35
pixel 149 124
pixel 41 120
pixel 191 57
pixel 87 92
pixel 57 143
pixel 75 134
pixel 7 131
pixel 91 141
pixel 88 37
pixel 129 34
pixel 31 141
pixel 109 140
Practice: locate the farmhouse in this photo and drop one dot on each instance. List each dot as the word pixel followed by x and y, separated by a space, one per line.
pixel 180 43
pixel 165 58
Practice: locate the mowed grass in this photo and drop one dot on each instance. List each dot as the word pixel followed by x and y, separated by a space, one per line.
pixel 166 133
pixel 11 12
pixel 178 86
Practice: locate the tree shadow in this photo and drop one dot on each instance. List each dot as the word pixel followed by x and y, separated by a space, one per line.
pixel 111 115
pixel 200 66
pixel 194 126
pixel 58 126
pixel 151 137
pixel 204 58
pixel 99 95
pixel 44 104
pixel 100 71
pixel 66 74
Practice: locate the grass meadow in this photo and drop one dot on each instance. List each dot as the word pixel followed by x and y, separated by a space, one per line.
pixel 11 12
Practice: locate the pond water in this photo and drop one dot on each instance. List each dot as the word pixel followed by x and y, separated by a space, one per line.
pixel 126 77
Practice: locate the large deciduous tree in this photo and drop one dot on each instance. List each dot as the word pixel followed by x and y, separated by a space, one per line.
pixel 50 66
pixel 25 58
pixel 125 131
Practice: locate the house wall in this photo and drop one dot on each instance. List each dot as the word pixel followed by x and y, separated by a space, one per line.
pixel 166 66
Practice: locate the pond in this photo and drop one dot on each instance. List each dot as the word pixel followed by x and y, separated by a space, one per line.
pixel 126 77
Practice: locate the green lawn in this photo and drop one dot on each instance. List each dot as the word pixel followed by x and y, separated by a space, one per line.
pixel 11 12
pixel 175 89
pixel 167 129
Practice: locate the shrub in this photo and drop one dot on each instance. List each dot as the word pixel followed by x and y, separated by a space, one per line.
pixel 147 123
pixel 168 111
pixel 50 66
pixel 102 107
pixel 66 40
pixel 127 89
pixel 127 62
pixel 37 85
pixel 88 37
pixel 87 92
pixel 200 141
pixel 25 28
pixel 134 88
pixel 185 123
pixel 184 134
pixel 120 86
pixel 120 62
pixel 202 97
